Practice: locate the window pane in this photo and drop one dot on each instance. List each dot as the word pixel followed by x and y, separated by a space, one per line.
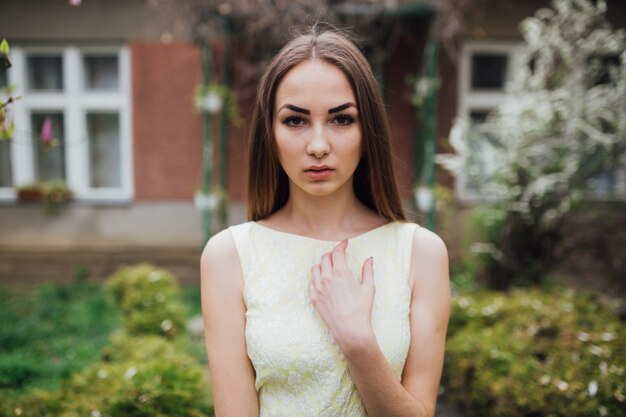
pixel 3 79
pixel 104 149
pixel 49 160
pixel 609 183
pixel 478 117
pixel 45 72
pixel 6 179
pixel 101 72
pixel 481 149
pixel 489 71
pixel 5 64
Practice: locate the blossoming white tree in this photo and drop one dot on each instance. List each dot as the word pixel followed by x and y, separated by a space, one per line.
pixel 562 124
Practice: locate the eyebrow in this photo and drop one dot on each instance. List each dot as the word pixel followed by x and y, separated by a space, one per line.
pixel 305 111
pixel 295 108
pixel 341 107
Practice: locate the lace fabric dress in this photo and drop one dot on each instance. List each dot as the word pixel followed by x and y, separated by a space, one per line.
pixel 300 371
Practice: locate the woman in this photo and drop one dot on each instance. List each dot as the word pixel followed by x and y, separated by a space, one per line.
pixel 327 303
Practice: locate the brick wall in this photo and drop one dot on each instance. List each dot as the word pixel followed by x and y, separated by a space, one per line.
pixel 404 59
pixel 166 128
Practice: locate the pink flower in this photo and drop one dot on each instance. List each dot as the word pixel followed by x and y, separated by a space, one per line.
pixel 74 2
pixel 47 135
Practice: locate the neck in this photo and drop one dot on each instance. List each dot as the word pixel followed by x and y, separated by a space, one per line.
pixel 325 214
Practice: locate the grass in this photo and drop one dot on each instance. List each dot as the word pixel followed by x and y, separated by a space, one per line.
pixel 50 332
pixel 191 298
pixel 54 330
pixel 57 339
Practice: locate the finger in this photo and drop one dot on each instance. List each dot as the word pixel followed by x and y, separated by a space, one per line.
pixel 338 255
pixel 316 278
pixel 326 265
pixel 312 293
pixel 367 273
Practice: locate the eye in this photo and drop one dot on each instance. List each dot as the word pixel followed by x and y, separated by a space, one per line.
pixel 293 121
pixel 344 119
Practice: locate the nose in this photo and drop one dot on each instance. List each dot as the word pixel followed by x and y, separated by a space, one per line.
pixel 318 144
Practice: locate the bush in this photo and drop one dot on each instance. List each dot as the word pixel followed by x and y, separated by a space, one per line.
pixel 150 300
pixel 143 376
pixel 145 371
pixel 542 152
pixel 48 333
pixel 533 353
pixel 140 376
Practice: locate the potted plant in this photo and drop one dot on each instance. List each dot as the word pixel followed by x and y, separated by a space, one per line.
pixel 28 193
pixel 50 193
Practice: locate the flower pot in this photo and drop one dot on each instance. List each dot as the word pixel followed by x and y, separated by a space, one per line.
pixel 29 196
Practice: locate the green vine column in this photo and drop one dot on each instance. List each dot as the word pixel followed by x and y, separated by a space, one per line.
pixel 226 118
pixel 207 147
pixel 431 129
pixel 425 101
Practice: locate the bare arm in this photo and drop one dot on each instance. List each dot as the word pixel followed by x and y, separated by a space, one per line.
pixel 430 311
pixel 232 374
pixel 381 392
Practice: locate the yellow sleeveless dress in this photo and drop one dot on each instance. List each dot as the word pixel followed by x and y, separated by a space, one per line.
pixel 300 371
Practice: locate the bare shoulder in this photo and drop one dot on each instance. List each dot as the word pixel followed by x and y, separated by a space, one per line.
pixel 219 245
pixel 429 314
pixel 224 313
pixel 428 244
pixel 429 258
pixel 219 260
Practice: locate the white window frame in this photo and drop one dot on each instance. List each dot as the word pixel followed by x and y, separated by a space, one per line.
pixel 486 100
pixel 483 100
pixel 75 102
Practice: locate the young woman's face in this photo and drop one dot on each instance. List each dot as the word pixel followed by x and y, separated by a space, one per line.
pixel 317 128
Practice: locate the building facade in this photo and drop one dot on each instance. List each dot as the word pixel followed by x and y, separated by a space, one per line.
pixel 114 81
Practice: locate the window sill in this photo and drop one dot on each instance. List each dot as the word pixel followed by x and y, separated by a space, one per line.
pixel 74 202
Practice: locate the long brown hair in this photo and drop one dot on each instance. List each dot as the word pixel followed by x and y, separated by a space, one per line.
pixel 374 182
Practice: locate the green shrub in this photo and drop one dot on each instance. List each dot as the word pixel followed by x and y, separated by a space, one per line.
pixel 150 300
pixel 534 353
pixel 146 370
pixel 140 376
pixel 145 375
pixel 50 332
pixel 32 403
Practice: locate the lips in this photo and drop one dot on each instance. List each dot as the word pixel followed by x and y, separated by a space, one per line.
pixel 318 173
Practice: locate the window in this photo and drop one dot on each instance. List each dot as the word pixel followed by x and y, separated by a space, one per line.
pixel 5 146
pixel 101 72
pixel 79 98
pixel 489 71
pixel 610 184
pixel 3 79
pixel 6 179
pixel 485 70
pixel 49 160
pixel 45 72
pixel 104 150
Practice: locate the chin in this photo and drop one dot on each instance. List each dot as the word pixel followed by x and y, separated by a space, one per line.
pixel 321 189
